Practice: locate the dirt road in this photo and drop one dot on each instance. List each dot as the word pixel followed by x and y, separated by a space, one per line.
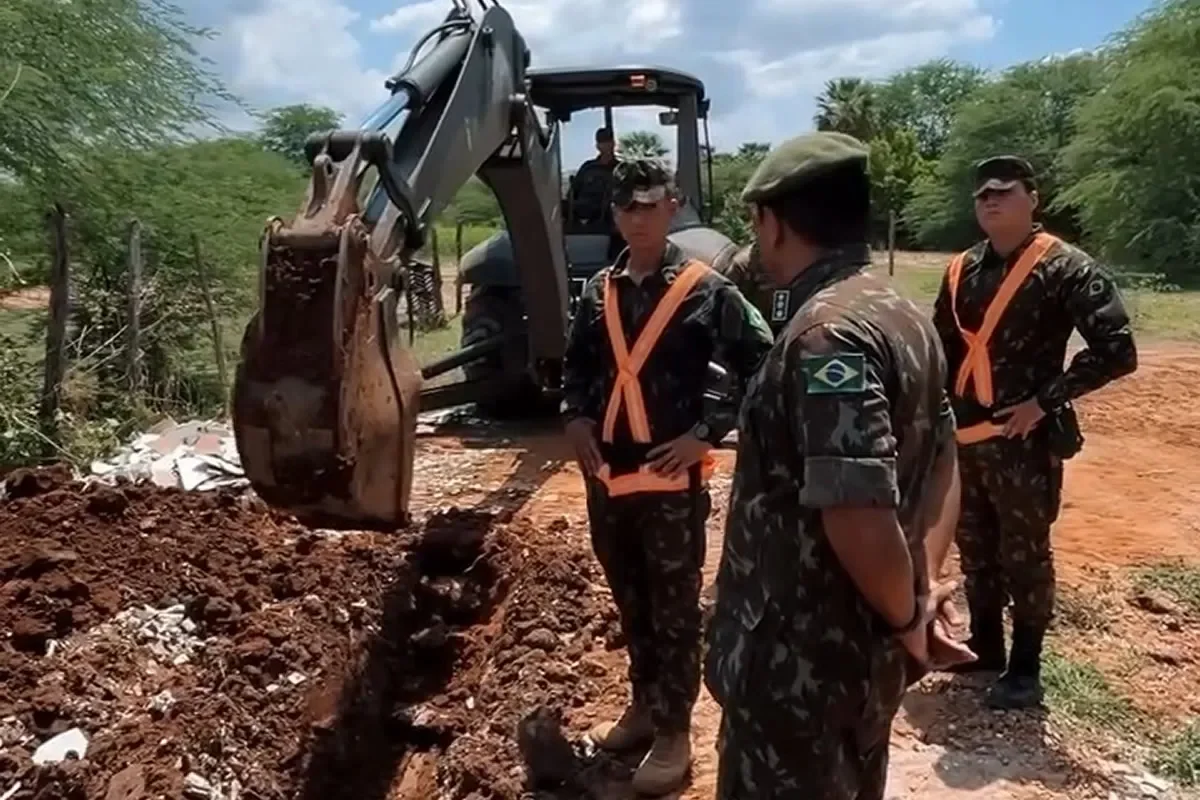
pixel 205 639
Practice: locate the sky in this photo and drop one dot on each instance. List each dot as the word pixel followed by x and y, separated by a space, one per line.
pixel 762 61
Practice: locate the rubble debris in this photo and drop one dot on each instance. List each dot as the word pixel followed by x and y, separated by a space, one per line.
pixel 194 456
pixel 195 787
pixel 59 748
pixel 167 633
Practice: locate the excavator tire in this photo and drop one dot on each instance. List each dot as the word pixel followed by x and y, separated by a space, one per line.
pixel 490 311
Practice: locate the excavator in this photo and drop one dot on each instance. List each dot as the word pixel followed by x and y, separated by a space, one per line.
pixel 327 392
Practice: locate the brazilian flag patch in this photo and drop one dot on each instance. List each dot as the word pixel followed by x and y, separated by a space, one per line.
pixel 837 373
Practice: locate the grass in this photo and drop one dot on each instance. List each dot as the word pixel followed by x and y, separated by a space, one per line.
pixel 1178 758
pixel 1155 314
pixel 1178 579
pixel 1080 611
pixel 1081 691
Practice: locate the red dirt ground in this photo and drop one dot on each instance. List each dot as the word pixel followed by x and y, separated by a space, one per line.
pixel 442 661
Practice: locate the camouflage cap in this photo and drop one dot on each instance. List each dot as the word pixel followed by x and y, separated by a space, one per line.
pixel 1000 173
pixel 799 160
pixel 641 181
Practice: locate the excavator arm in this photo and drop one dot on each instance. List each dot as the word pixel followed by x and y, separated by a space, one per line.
pixel 326 393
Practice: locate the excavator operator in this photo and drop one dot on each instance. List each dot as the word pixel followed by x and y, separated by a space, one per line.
pixel 591 187
pixel 642 425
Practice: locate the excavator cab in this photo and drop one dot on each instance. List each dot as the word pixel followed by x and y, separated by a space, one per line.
pixel 505 382
pixel 327 389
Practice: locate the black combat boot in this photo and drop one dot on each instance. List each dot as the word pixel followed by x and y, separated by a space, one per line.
pixel 986 641
pixel 1021 685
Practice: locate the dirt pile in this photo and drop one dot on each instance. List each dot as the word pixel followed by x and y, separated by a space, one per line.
pixel 209 647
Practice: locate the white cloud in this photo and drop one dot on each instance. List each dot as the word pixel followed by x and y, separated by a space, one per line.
pixel 561 32
pixel 806 71
pixel 304 51
pixel 763 61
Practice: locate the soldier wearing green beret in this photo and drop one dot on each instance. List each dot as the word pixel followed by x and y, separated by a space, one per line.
pixel 843 504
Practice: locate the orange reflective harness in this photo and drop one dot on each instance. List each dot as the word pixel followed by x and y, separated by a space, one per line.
pixel 976 367
pixel 627 389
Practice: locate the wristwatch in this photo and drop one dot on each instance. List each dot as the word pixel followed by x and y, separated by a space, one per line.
pixel 701 431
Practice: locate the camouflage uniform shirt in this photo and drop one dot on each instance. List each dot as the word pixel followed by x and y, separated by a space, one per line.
pixel 848 409
pixel 1068 290
pixel 746 272
pixel 714 323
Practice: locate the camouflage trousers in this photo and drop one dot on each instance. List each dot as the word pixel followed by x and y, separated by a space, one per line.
pixel 1011 493
pixel 651 547
pixel 807 765
pixel 767 749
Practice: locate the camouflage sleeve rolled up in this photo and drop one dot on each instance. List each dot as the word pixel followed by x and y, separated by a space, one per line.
pixel 581 392
pixel 742 339
pixel 837 382
pixel 1094 304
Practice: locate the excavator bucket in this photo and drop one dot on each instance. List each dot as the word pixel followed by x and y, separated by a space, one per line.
pixel 326 394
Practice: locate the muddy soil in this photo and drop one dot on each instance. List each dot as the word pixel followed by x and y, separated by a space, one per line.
pixel 210 647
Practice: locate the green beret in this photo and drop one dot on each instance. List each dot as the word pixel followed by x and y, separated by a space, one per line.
pixel 799 160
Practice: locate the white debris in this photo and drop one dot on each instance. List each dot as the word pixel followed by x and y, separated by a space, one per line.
pixel 196 456
pixel 57 749
pixel 16 787
pixel 12 732
pixel 166 633
pixel 295 679
pixel 162 702
pixel 195 786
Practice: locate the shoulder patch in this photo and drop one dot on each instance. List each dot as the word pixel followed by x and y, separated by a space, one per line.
pixel 835 373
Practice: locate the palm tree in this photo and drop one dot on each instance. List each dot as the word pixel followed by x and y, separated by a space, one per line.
pixel 642 144
pixel 847 106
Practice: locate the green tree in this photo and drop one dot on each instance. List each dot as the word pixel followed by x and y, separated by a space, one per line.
pixel 1030 111
pixel 221 191
pixel 1134 163
pixel 101 73
pixel 848 105
pixel 286 128
pixel 642 144
pixel 474 204
pixel 895 166
pixel 925 99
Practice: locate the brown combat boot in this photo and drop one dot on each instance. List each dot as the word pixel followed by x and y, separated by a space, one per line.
pixel 633 729
pixel 665 766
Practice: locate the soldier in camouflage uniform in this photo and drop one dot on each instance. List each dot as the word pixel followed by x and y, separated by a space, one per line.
pixel 845 458
pixel 642 424
pixel 1005 313
pixel 746 272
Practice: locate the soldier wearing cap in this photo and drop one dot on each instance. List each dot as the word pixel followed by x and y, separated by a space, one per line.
pixel 843 502
pixel 1005 312
pixel 590 190
pixel 642 424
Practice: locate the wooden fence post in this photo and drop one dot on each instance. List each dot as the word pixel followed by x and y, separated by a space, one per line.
pixel 206 290
pixel 439 301
pixel 56 330
pixel 891 243
pixel 134 343
pixel 458 253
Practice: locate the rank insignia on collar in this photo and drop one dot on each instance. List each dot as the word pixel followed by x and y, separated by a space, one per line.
pixel 781 301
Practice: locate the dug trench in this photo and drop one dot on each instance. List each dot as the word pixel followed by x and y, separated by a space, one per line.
pixel 209 647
